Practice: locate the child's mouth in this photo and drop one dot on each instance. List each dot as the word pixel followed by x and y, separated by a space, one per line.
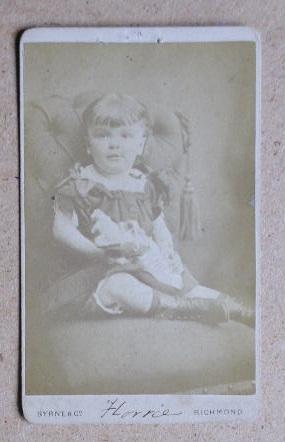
pixel 114 157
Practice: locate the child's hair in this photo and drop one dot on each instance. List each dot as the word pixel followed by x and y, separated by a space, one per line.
pixel 115 110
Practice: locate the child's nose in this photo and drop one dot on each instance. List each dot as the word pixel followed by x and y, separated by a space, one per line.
pixel 114 145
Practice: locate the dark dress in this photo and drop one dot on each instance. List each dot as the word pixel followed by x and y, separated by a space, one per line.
pixel 77 197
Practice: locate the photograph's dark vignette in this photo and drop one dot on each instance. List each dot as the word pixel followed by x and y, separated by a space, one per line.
pixel 173 382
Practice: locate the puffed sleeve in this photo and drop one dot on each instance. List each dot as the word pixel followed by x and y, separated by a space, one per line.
pixel 64 200
pixel 154 197
pixel 161 185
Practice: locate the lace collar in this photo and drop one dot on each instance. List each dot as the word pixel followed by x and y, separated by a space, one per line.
pixel 136 182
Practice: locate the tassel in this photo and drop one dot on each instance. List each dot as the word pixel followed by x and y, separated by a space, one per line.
pixel 190 227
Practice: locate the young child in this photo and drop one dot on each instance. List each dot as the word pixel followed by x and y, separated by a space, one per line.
pixel 111 211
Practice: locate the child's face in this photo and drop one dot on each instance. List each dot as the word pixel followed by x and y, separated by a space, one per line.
pixel 114 149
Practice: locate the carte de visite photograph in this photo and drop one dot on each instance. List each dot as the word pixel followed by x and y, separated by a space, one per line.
pixel 139 198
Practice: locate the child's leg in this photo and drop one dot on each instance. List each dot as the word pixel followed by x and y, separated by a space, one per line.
pixel 122 292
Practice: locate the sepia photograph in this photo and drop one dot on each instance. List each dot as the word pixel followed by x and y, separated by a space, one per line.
pixel 138 216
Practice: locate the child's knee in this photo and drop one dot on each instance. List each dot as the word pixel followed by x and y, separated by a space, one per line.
pixel 129 291
pixel 119 283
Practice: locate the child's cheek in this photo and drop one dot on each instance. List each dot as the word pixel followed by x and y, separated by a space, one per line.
pixel 101 146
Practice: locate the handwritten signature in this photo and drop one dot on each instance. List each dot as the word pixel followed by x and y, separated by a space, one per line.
pixel 121 409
